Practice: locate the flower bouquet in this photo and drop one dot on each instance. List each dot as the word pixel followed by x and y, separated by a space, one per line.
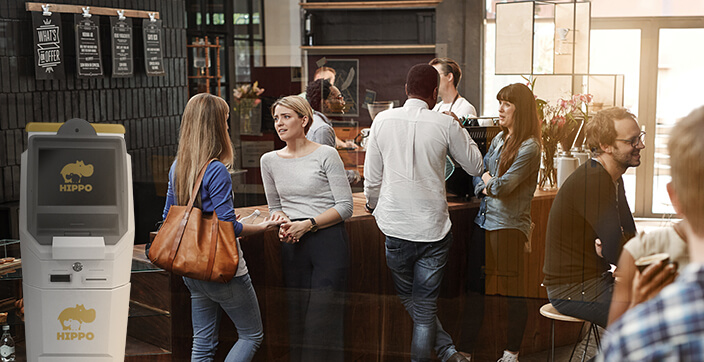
pixel 559 124
pixel 246 100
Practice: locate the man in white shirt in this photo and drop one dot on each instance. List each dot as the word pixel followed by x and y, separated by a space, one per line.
pixel 404 171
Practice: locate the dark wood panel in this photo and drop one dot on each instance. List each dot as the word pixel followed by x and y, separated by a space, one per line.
pixel 376 325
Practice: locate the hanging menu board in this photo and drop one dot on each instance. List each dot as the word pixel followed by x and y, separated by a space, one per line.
pixel 122 51
pixel 88 60
pixel 49 56
pixel 153 51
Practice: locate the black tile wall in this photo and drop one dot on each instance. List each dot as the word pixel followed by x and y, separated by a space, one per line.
pixel 149 107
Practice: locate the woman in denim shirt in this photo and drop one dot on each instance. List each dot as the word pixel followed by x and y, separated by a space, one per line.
pixel 506 191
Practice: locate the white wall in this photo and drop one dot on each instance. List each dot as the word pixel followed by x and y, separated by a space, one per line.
pixel 282 29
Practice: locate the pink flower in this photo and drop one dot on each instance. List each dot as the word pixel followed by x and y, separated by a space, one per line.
pixel 558 120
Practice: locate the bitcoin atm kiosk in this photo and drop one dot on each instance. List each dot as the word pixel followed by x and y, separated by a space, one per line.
pixel 76 239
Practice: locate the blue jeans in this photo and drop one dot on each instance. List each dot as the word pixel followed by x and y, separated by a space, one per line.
pixel 417 269
pixel 589 300
pixel 238 300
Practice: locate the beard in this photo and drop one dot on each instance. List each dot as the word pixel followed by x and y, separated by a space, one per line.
pixel 628 159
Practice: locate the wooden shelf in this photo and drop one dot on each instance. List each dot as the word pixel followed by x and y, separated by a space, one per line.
pixel 94 10
pixel 371 5
pixel 371 49
pixel 137 350
pixel 138 309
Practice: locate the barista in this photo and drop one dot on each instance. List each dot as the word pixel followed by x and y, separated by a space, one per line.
pixel 458 181
pixel 452 102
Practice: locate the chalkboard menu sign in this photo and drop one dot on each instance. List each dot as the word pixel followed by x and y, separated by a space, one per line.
pixel 88 60
pixel 122 50
pixel 153 52
pixel 49 54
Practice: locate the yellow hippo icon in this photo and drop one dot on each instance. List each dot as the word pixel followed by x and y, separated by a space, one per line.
pixel 74 172
pixel 76 317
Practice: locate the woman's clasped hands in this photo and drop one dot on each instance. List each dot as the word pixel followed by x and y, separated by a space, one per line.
pixel 291 232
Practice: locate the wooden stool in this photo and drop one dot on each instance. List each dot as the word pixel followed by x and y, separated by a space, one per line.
pixel 550 312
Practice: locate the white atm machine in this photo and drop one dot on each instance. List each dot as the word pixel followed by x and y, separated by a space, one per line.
pixel 76 239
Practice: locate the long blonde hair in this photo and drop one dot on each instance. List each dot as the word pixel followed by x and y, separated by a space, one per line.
pixel 203 136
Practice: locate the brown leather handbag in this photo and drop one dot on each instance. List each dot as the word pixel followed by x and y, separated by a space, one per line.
pixel 196 244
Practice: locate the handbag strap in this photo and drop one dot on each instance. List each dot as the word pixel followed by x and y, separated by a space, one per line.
pixel 199 181
pixel 184 220
pixel 213 246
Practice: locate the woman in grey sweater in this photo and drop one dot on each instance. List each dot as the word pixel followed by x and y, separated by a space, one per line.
pixel 305 183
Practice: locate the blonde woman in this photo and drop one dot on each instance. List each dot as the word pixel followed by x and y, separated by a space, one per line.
pixel 305 183
pixel 204 136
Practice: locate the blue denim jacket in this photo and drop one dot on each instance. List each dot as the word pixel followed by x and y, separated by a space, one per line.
pixel 506 204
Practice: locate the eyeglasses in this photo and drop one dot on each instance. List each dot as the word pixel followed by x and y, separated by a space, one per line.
pixel 635 141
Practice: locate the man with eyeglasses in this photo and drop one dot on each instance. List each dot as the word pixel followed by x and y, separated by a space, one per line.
pixel 590 209
pixel 670 326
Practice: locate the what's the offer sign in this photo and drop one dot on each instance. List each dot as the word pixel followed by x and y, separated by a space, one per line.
pixel 49 53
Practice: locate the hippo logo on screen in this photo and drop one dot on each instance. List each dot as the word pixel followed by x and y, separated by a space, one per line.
pixel 73 175
pixel 72 320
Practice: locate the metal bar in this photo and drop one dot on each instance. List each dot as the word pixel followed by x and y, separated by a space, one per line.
pixel 207 66
pixel 78 9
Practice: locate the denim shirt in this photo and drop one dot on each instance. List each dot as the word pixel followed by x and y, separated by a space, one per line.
pixel 506 204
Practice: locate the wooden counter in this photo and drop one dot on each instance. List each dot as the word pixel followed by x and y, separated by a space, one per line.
pixel 377 328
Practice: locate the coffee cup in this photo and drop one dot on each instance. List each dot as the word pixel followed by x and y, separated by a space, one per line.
pixel 643 262
pixel 486 122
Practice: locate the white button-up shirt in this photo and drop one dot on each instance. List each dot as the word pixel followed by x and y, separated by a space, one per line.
pixel 404 170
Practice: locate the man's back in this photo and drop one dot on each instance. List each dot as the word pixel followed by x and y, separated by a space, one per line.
pixel 670 327
pixel 405 168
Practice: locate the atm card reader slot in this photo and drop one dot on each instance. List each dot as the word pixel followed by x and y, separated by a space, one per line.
pixel 95 279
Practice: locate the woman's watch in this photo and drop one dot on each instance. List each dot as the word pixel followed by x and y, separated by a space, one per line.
pixel 314 225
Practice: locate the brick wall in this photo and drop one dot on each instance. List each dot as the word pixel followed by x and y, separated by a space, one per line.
pixel 148 107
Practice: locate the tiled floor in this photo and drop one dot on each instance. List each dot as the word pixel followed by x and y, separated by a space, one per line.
pixel 562 354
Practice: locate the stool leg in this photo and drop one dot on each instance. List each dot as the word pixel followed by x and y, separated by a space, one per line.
pixel 551 356
pixel 597 337
pixel 589 335
pixel 576 343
